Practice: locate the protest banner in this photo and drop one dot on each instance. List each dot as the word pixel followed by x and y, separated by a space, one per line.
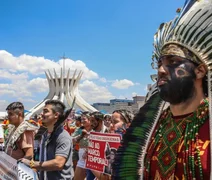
pixel 26 173
pixel 101 151
pixel 10 170
pixel 8 167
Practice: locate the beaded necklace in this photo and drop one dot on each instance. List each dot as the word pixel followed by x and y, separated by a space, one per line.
pixel 191 140
pixel 190 127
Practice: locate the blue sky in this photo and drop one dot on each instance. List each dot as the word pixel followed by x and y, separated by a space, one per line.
pixel 111 41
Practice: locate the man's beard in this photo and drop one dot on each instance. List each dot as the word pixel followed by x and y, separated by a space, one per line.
pixel 177 90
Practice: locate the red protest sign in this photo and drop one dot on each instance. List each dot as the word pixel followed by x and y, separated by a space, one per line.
pixel 101 151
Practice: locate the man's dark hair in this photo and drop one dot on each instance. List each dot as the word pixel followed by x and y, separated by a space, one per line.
pixel 78 118
pixel 16 107
pixel 205 86
pixel 98 115
pixel 107 116
pixel 57 106
pixel 86 114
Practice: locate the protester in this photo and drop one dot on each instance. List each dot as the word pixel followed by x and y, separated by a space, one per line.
pixel 107 120
pixel 121 120
pixel 176 143
pixel 39 119
pixel 55 161
pixel 82 139
pixel 97 123
pixel 38 137
pixel 19 140
pixel 78 131
pixel 69 126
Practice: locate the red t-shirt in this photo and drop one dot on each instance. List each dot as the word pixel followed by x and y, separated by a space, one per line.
pixel 174 159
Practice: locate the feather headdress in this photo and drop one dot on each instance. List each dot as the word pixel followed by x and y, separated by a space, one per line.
pixel 191 30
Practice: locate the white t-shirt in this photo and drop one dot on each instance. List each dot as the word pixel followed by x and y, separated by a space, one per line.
pixel 1 131
pixel 1 136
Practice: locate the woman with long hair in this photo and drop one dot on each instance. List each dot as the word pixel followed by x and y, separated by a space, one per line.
pixel 80 171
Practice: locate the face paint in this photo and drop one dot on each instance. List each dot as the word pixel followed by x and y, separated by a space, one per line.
pixel 179 82
pixel 181 71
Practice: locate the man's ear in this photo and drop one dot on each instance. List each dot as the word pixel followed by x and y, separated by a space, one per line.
pixel 20 114
pixel 56 115
pixel 201 71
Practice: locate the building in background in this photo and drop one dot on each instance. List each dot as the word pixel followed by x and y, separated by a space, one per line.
pixel 116 104
pixel 102 107
pixel 138 102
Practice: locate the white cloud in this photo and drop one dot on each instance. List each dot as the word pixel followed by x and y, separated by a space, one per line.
pixel 6 90
pixel 32 64
pixel 102 80
pixel 122 84
pixel 94 93
pixel 80 66
pixel 3 105
pixel 7 60
pixel 134 94
pixel 21 90
pixel 13 76
pixel 38 85
pixel 24 88
pixel 37 65
pixel 26 100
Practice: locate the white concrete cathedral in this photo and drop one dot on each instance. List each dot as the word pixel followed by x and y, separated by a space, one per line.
pixel 63 88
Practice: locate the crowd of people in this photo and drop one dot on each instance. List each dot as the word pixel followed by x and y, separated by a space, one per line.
pixel 55 143
pixel 169 138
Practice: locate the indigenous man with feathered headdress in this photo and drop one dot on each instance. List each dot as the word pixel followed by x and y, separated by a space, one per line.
pixel 175 143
